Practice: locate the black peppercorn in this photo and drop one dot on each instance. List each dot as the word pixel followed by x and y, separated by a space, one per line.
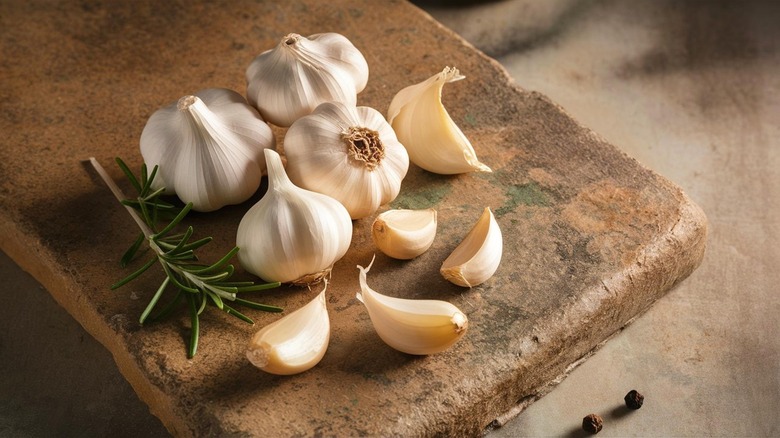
pixel 592 423
pixel 634 399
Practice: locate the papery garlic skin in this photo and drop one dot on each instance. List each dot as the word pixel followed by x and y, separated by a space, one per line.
pixel 290 80
pixel 349 153
pixel 424 126
pixel 404 234
pixel 418 327
pixel 477 257
pixel 209 148
pixel 294 343
pixel 292 235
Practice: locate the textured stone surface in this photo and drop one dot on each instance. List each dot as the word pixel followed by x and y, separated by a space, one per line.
pixel 592 238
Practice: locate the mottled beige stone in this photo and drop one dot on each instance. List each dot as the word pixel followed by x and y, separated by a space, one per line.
pixel 592 238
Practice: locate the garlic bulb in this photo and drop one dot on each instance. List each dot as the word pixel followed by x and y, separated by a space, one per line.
pixel 412 326
pixel 290 80
pixel 349 153
pixel 209 148
pixel 477 257
pixel 433 140
pixel 292 235
pixel 294 343
pixel 404 234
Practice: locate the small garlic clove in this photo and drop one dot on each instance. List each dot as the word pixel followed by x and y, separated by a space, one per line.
pixel 290 80
pixel 477 257
pixel 418 327
pixel 425 128
pixel 294 343
pixel 404 234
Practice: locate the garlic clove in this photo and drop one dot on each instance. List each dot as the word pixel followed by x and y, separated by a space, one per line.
pixel 477 257
pixel 209 148
pixel 424 126
pixel 292 79
pixel 294 343
pixel 404 234
pixel 348 153
pixel 292 235
pixel 418 327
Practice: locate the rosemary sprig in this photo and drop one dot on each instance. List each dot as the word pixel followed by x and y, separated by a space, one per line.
pixel 198 284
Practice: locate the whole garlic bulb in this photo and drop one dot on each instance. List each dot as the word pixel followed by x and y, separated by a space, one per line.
pixel 295 343
pixel 292 235
pixel 424 126
pixel 290 80
pixel 349 153
pixel 209 148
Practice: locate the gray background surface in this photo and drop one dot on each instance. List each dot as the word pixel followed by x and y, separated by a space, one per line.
pixel 689 88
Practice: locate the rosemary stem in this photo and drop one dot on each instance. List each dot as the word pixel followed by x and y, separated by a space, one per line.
pixel 120 196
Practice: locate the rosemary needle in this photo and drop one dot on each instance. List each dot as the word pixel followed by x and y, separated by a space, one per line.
pixel 200 284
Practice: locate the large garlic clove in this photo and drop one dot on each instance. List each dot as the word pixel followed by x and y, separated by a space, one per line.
pixel 290 80
pixel 294 343
pixel 349 153
pixel 424 126
pixel 412 326
pixel 209 148
pixel 477 257
pixel 292 235
pixel 404 234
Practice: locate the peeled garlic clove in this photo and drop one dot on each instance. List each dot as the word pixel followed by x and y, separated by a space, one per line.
pixel 404 234
pixel 209 148
pixel 290 80
pixel 478 255
pixel 424 126
pixel 294 343
pixel 412 326
pixel 349 153
pixel 292 235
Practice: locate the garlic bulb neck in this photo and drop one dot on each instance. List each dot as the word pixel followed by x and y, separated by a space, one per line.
pixel 291 39
pixel 364 146
pixel 204 122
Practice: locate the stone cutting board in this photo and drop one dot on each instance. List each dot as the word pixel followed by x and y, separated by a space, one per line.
pixel 591 237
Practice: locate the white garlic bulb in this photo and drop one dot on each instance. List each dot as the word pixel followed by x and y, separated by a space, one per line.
pixel 412 326
pixel 290 80
pixel 404 234
pixel 424 126
pixel 292 235
pixel 349 153
pixel 477 257
pixel 209 148
pixel 294 343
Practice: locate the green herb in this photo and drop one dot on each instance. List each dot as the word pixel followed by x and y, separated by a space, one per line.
pixel 196 283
